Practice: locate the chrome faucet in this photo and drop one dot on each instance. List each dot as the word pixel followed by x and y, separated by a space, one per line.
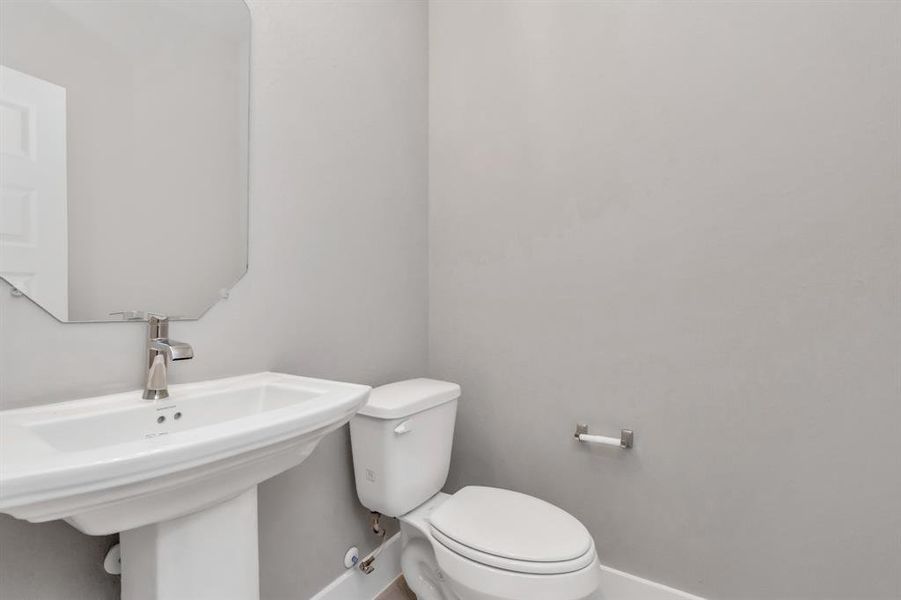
pixel 161 350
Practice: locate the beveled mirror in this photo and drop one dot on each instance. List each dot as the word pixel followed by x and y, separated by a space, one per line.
pixel 124 154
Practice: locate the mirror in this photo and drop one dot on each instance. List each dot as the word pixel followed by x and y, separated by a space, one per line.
pixel 123 154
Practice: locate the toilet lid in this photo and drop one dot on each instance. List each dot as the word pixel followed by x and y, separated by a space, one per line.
pixel 510 525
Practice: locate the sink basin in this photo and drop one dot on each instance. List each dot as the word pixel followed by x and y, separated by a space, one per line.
pixel 181 469
pixel 117 462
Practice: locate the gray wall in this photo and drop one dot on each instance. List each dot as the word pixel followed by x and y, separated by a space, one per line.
pixel 683 218
pixel 337 285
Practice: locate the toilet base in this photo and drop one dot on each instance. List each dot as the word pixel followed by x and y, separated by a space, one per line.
pixel 417 559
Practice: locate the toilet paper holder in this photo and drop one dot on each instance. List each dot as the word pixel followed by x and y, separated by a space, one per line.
pixel 625 440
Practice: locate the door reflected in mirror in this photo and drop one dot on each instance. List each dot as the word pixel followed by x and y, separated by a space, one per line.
pixel 123 154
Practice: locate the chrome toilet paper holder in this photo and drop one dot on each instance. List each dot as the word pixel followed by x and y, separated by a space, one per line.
pixel 625 441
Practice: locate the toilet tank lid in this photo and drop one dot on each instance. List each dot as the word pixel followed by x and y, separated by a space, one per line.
pixel 404 398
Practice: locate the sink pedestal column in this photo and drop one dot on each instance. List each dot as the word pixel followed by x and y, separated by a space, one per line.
pixel 210 554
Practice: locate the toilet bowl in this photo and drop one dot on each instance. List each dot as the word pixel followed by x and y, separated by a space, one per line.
pixel 480 543
pixel 438 567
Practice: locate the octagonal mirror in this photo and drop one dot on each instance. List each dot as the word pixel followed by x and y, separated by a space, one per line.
pixel 123 154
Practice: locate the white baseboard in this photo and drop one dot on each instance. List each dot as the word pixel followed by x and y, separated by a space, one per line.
pixel 615 585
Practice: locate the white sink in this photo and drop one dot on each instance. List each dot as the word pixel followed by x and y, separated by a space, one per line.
pixel 178 471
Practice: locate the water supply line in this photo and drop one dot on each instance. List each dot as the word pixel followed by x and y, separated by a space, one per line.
pixel 376 525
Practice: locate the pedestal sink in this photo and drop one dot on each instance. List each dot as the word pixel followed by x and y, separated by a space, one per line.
pixel 176 477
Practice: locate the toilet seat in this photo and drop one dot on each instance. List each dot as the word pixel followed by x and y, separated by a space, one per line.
pixel 517 566
pixel 512 531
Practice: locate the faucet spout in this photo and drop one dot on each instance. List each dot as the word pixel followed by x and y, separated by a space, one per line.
pixel 173 349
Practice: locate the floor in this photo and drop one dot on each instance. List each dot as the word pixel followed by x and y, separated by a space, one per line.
pixel 397 591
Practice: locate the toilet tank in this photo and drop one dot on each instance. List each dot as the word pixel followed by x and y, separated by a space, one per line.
pixel 402 442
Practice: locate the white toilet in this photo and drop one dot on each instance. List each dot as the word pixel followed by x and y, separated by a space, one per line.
pixel 478 544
